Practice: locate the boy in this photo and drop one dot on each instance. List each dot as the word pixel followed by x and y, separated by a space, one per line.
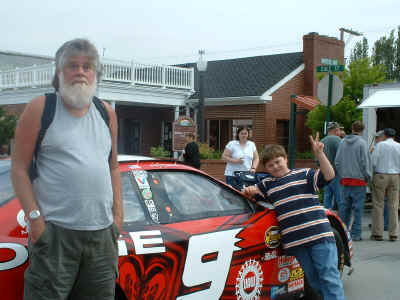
pixel 305 229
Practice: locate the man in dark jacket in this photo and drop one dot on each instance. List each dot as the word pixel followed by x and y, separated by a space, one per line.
pixel 191 154
pixel 354 168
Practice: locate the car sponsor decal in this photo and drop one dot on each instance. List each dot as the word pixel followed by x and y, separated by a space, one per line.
pixel 270 255
pixel 147 194
pixel 295 285
pixel 12 255
pixel 278 290
pixel 285 261
pixel 141 179
pixel 249 281
pixel 273 237
pixel 296 274
pixel 283 275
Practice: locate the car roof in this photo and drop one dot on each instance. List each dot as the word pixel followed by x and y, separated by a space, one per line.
pixel 129 157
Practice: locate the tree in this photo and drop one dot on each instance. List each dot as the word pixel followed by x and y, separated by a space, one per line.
pixel 359 73
pixel 360 50
pixel 345 112
pixel 8 123
pixel 384 53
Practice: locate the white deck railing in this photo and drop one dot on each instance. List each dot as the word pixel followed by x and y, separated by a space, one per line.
pixel 113 71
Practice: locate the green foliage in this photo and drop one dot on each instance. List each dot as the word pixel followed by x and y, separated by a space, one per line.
pixel 359 73
pixel 207 152
pixel 159 152
pixel 8 123
pixel 360 50
pixel 345 113
pixel 384 53
pixel 304 155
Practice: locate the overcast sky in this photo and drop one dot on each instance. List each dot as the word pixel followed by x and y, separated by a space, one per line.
pixel 172 31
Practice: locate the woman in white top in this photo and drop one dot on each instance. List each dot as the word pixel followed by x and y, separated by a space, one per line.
pixel 240 155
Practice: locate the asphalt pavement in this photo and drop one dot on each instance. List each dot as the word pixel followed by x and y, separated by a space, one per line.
pixel 376 267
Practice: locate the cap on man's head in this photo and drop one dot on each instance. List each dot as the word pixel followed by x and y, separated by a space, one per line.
pixel 379 133
pixel 390 132
pixel 333 125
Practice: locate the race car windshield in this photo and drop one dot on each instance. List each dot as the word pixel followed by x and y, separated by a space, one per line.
pixel 6 188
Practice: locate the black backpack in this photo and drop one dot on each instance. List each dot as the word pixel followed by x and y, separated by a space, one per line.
pixel 47 118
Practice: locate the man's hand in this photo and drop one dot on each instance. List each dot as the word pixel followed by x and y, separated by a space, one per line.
pixel 316 145
pixel 119 222
pixel 36 228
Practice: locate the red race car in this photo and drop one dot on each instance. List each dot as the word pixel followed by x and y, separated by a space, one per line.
pixel 186 236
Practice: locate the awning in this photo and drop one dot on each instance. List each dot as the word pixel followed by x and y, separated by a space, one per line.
pixel 306 102
pixel 382 98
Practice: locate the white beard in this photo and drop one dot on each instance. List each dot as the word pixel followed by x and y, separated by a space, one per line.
pixel 78 95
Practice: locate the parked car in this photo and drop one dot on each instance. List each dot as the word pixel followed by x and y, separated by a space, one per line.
pixel 186 236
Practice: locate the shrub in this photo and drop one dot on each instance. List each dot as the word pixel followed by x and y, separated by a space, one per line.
pixel 207 152
pixel 159 152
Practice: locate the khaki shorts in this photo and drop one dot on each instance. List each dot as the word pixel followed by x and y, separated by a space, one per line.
pixel 72 264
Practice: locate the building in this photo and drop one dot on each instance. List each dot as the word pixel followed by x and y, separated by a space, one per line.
pixel 252 91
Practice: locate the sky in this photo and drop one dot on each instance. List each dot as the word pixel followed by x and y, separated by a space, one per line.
pixel 173 31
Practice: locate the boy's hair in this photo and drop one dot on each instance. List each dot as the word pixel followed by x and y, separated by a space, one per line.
pixel 272 151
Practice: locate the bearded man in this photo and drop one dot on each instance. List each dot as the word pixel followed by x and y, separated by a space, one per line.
pixel 74 207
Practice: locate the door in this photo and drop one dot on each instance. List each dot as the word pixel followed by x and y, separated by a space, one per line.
pixel 132 136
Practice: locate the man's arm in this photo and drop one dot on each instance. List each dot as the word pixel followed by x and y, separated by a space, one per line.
pixel 118 207
pixel 325 166
pixel 26 133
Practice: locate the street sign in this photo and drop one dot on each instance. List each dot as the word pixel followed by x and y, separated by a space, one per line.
pixel 337 90
pixel 331 68
pixel 329 61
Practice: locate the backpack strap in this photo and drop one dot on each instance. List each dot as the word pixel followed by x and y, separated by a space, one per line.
pixel 106 117
pixel 47 117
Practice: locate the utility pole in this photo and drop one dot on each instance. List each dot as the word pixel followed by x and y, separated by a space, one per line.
pixel 349 31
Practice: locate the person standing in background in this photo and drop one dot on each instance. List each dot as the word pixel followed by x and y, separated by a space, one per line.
pixel 191 154
pixel 240 155
pixel 386 166
pixel 353 165
pixel 379 137
pixel 333 190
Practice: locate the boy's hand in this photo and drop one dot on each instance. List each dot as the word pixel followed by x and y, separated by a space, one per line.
pixel 252 191
pixel 316 145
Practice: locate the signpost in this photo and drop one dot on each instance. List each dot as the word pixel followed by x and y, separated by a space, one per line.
pixel 330 69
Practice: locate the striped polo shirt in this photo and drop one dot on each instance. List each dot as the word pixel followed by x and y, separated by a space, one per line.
pixel 301 217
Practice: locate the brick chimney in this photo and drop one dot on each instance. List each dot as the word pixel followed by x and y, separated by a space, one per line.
pixel 315 47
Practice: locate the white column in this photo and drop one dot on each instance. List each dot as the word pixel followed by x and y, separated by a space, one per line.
pixel 112 103
pixel 176 113
pixel 187 111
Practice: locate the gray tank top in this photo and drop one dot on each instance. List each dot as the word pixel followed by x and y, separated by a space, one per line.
pixel 74 188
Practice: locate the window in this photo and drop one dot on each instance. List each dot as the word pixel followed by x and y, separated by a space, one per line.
pixel 220 132
pixel 194 196
pixel 133 210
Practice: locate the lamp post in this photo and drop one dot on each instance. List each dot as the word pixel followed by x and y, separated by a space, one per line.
pixel 201 68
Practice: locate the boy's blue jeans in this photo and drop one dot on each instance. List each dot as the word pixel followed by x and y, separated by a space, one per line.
pixel 353 200
pixel 332 193
pixel 320 265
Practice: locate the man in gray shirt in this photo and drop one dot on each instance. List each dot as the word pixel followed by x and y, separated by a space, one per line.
pixel 74 207
pixel 332 191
